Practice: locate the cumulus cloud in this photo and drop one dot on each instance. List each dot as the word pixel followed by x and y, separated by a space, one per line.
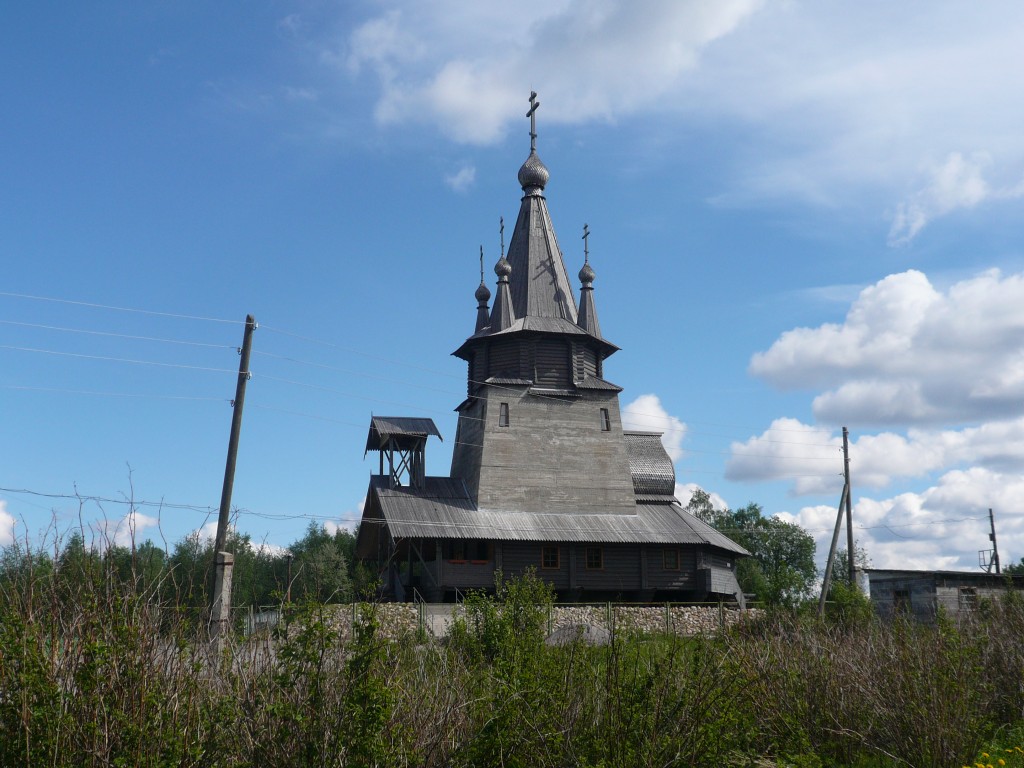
pixel 811 457
pixel 646 414
pixel 908 353
pixel 6 525
pixel 462 179
pixel 789 450
pixel 943 527
pixel 463 68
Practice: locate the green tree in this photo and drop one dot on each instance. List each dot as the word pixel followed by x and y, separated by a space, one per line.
pixel 320 568
pixel 1015 569
pixel 781 570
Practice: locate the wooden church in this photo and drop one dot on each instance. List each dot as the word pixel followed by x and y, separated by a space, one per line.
pixel 543 475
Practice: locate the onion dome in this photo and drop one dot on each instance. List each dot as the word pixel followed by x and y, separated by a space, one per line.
pixel 587 274
pixel 503 269
pixel 483 295
pixel 534 175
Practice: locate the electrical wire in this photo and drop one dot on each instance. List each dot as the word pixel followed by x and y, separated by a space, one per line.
pixel 92 305
pixel 117 359
pixel 117 335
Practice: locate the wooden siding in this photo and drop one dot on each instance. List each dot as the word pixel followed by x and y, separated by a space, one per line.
pixel 552 363
pixel 466 453
pixel 553 456
pixel 468 575
pixel 684 578
pixel 620 571
pixel 517 556
pixel 504 360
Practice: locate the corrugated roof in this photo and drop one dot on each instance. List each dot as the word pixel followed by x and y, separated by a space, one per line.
pixel 651 467
pixel 444 510
pixel 593 382
pixel 383 427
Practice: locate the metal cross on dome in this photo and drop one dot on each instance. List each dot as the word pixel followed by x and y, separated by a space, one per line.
pixel 586 251
pixel 532 114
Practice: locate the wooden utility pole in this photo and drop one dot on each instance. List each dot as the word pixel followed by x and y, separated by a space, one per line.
pixel 221 602
pixel 851 563
pixel 827 581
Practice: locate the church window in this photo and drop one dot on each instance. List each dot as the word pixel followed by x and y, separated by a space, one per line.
pixel 549 556
pixel 595 558
pixel 606 423
pixel 670 559
pixel 503 415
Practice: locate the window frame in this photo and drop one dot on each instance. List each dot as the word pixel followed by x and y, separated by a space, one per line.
pixel 545 550
pixel 503 415
pixel 606 420
pixel 674 551
pixel 588 564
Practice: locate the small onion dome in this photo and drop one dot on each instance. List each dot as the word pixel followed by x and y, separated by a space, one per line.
pixel 503 268
pixel 533 173
pixel 483 294
pixel 587 274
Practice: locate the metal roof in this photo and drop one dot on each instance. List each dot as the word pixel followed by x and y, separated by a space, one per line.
pixel 650 465
pixel 593 382
pixel 444 510
pixel 384 427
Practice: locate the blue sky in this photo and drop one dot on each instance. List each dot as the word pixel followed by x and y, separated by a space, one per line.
pixel 803 216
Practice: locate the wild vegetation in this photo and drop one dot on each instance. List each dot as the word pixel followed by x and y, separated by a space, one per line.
pixel 98 666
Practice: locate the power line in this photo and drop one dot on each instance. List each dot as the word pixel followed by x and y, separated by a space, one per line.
pixel 112 394
pixel 120 309
pixel 116 335
pixel 116 359
pixel 103 500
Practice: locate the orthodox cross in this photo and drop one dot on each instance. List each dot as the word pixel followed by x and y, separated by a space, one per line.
pixel 586 252
pixel 501 220
pixel 481 265
pixel 532 114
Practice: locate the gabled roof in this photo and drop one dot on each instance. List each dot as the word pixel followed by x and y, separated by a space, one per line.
pixel 384 427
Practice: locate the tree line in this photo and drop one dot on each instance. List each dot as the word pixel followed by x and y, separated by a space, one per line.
pixel 319 567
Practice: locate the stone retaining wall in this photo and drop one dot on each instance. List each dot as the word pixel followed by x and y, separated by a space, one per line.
pixel 398 620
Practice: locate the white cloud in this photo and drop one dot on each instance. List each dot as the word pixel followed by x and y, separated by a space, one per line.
pixel 465 68
pixel 943 527
pixel 910 354
pixel 6 525
pixel 811 457
pixel 462 179
pixel 957 183
pixel 789 450
pixel 646 414
pixel 830 99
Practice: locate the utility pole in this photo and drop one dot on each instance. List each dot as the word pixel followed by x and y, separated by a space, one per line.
pixel 992 538
pixel 827 581
pixel 220 612
pixel 849 508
